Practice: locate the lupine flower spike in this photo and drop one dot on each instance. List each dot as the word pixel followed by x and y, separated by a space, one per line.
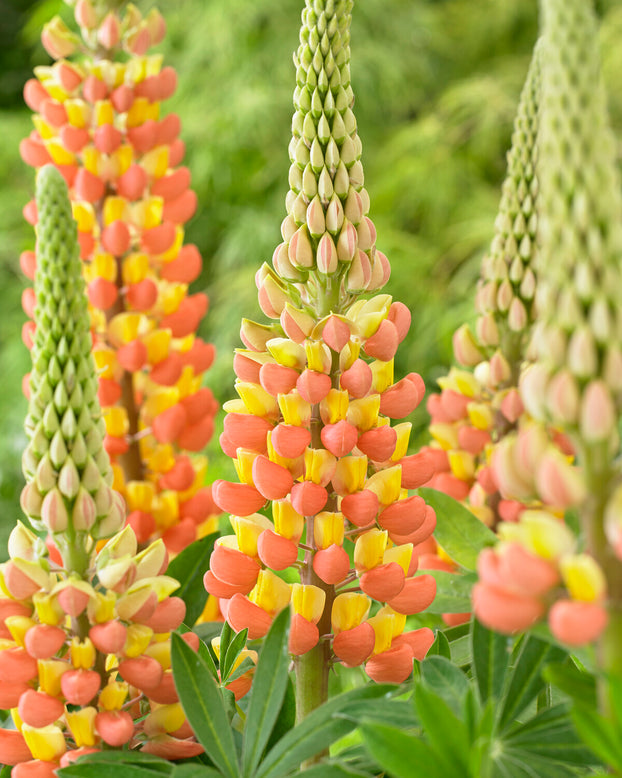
pixel 311 432
pixel 576 381
pixel 97 118
pixel 85 650
pixel 480 404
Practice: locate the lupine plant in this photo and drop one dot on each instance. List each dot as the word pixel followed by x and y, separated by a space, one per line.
pixel 98 119
pixel 85 654
pixel 310 433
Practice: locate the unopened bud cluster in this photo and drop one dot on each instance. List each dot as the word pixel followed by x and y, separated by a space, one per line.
pixel 98 120
pixel 479 403
pixel 311 431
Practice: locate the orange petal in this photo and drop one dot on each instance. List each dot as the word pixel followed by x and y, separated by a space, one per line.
pixel 277 379
pixel 357 379
pixel 143 672
pixel 404 516
pixel 275 551
pixel 115 727
pixel 18 665
pixel 353 646
pixel 402 398
pixel 336 333
pixel 169 747
pixel 70 756
pixel 115 238
pixel 384 582
pixel 168 615
pixel 222 590
pixel 233 567
pixel 169 424
pixel 247 431
pixel 505 611
pixel 526 572
pixel 303 635
pixel 243 614
pixel 331 564
pixel 313 386
pixel 339 438
pixel 10 694
pixel 399 314
pixel 420 534
pixel 577 623
pixel 73 601
pixel 418 593
pixel 383 343
pixel 43 640
pixel 109 638
pixel 180 477
pixel 13 747
pixel 38 709
pixel 80 686
pixel 273 481
pixel 360 508
pixel 142 295
pixel 168 371
pixel 132 356
pixel 290 441
pixel 419 641
pixel 238 499
pixel 165 693
pixel 392 666
pixel 417 469
pixel 378 443
pixel 473 440
pixel 186 267
pixel 308 498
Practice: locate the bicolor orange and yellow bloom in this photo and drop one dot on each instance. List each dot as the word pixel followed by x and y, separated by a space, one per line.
pixel 84 628
pixel 98 119
pixel 310 433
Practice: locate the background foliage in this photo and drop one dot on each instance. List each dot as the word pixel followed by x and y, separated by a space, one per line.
pixel 437 84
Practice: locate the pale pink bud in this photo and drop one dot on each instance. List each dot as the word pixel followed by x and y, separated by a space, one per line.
pixel 138 41
pixel 347 242
pixel 315 217
pixel 359 273
pixel 598 415
pixel 326 255
pixel 533 386
pixel 272 298
pixel 487 330
pixel 466 349
pixel 255 336
pixel 282 264
pixel 517 315
pixel 58 40
pixel 300 251
pixel 84 512
pixel 109 32
pixel 85 14
pixel 156 25
pixel 500 370
pixel 366 234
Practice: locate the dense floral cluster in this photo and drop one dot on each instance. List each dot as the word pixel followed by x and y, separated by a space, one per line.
pixel 98 120
pixel 311 431
pixel 85 649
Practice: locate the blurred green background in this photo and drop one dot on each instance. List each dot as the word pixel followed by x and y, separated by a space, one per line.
pixel 436 84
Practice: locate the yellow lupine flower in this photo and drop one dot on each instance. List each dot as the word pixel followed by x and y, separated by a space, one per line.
pixel 82 726
pixel 369 549
pixel 401 555
pixel 382 375
pixel 481 416
pixel 113 695
pixel 135 268
pixel 319 465
pixel 48 608
pixel 287 522
pixel 101 607
pixel 328 529
pixel 84 215
pixel 318 356
pixel 165 509
pixel 350 474
pixel 256 399
pixel 403 437
pixel 115 208
pixel 138 638
pixel 334 407
pixel 386 484
pixel 139 495
pixel 446 435
pixel 462 464
pixel 287 353
pixel 82 653
pixel 116 420
pixel 295 410
pixel 363 413
pixel 383 625
pixel 103 265
pixel 243 464
pixel 50 673
pixel 247 531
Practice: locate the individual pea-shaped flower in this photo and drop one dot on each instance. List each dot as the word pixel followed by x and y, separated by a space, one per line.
pixel 98 120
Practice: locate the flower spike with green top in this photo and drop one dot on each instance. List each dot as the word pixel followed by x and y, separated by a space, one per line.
pixel 576 381
pixel 311 431
pixel 84 649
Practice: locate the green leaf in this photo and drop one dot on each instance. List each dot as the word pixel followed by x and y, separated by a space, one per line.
pixel 108 770
pixel 397 752
pixel 267 693
pixel 600 735
pixel 385 711
pixel 316 732
pixel 550 734
pixel 446 733
pixel 207 630
pixel 327 770
pixel 491 656
pixel 525 680
pixel 440 647
pixel 569 679
pixel 194 771
pixel 227 660
pixel 453 591
pixel 203 705
pixel 207 655
pixel 227 634
pixel 188 568
pixel 460 534
pixel 286 719
pixel 446 681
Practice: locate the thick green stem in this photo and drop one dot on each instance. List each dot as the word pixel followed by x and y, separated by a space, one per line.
pixel 76 556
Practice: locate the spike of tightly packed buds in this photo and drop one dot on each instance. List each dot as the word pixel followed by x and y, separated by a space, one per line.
pixel 311 431
pixel 480 404
pixel 97 118
pixel 575 381
pixel 84 635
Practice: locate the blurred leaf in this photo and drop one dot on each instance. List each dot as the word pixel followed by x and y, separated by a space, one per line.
pixel 491 656
pixel 188 568
pixel 398 752
pixel 459 533
pixel 453 592
pixel 446 681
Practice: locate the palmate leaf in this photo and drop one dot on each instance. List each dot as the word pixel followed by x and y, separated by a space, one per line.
pixel 188 568
pixel 446 681
pixel 400 754
pixel 203 705
pixel 443 729
pixel 316 732
pixel 600 734
pixel 194 771
pixel 525 681
pixel 459 533
pixel 109 764
pixel 491 656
